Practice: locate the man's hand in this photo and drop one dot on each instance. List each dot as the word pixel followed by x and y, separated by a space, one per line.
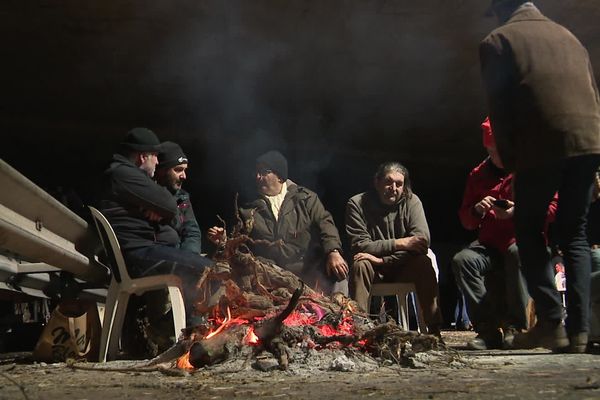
pixel 151 215
pixel 484 205
pixel 415 244
pixel 217 235
pixel 337 266
pixel 369 257
pixel 502 213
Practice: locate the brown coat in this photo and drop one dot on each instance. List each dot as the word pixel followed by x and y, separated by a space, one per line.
pixel 543 99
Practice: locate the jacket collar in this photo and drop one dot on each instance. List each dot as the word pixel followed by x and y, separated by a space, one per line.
pixel 262 204
pixel 527 12
pixel 384 208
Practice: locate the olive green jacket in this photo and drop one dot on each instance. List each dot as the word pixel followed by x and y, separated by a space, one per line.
pixel 306 230
pixel 372 227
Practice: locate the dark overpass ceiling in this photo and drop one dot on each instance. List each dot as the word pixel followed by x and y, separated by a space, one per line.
pixel 338 86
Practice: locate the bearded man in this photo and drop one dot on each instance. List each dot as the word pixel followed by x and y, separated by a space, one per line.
pixel 389 238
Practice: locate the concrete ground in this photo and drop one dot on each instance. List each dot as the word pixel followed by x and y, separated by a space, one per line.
pixel 530 374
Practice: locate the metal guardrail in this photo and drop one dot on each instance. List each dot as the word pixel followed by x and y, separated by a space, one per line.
pixel 42 280
pixel 42 233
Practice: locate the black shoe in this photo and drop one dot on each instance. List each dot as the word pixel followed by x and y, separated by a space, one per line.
pixel 486 341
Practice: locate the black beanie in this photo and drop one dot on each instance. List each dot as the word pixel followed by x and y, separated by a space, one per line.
pixel 141 139
pixel 275 161
pixel 170 155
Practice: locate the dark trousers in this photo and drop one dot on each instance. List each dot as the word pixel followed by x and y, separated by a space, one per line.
pixel 493 286
pixel 159 260
pixel 534 189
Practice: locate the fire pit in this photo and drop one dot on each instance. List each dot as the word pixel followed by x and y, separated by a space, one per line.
pixel 256 308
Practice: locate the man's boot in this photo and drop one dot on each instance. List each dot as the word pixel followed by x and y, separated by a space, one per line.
pixel 548 334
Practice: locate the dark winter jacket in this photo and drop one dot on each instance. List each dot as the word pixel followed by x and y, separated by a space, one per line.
pixel 543 99
pixel 186 225
pixel 128 191
pixel 306 230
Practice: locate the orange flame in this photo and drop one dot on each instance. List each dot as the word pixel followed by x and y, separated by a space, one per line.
pixel 183 362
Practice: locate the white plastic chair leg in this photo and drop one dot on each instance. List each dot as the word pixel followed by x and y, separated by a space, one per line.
pixel 402 311
pixel 117 326
pixel 108 320
pixel 178 308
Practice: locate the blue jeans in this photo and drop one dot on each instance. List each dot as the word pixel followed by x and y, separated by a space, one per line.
pixel 534 189
pixel 159 260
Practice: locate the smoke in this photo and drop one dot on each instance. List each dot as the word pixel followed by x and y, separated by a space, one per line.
pixel 336 87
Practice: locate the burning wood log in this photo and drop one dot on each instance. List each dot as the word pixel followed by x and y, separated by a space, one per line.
pixel 217 348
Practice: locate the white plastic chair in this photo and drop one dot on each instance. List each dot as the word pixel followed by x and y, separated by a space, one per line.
pixel 122 286
pixel 401 290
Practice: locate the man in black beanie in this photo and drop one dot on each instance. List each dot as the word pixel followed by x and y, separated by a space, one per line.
pixel 293 215
pixel 171 172
pixel 140 211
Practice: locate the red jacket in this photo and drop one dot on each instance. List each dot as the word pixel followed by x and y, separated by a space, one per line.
pixel 493 232
pixel 480 181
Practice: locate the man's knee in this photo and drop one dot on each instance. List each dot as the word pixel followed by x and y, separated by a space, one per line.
pixel 361 269
pixel 464 260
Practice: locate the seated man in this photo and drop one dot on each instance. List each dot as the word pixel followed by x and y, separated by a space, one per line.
pixel 140 212
pixel 171 172
pixel 389 236
pixel 309 245
pixel 488 271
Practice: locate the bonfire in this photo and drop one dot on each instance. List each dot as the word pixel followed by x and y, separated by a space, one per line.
pixel 253 307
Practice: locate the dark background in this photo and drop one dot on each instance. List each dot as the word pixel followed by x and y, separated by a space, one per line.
pixel 337 86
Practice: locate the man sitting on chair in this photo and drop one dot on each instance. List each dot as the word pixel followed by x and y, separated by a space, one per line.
pixel 140 210
pixel 389 238
pixel 171 172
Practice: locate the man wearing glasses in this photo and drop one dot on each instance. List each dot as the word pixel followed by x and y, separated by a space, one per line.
pixel 295 230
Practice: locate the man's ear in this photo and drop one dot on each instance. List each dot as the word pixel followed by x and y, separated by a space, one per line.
pixel 140 158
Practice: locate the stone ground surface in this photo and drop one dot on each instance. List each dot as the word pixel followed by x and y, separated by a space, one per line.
pixel 457 373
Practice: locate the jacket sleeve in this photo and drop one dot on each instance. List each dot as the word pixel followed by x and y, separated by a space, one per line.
pixel 467 216
pixel 593 79
pixel 497 71
pixel 330 237
pixel 191 236
pixel 360 239
pixel 416 225
pixel 137 189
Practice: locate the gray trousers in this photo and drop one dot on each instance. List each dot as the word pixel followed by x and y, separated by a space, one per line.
pixel 493 286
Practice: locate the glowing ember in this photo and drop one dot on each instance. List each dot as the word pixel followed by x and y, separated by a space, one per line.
pixel 250 337
pixel 300 318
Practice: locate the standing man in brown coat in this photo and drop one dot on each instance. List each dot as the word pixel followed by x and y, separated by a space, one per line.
pixel 545 113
